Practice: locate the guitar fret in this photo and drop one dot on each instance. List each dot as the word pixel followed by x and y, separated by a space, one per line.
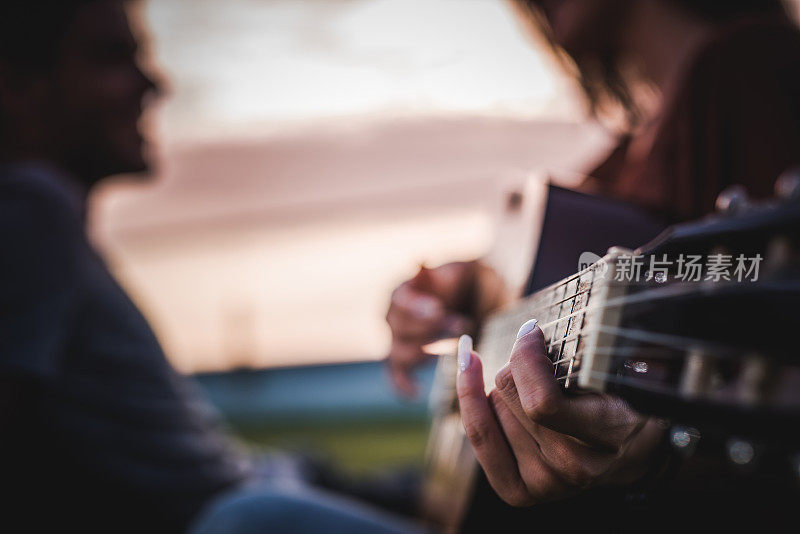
pixel 571 341
pixel 542 295
pixel 551 323
pixel 576 359
pixel 571 337
pixel 571 292
pixel 568 298
pixel 555 308
pixel 563 311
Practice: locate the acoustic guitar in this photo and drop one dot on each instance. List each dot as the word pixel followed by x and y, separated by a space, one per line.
pixel 661 326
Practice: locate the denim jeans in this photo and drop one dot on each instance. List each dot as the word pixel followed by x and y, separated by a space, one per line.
pixel 275 508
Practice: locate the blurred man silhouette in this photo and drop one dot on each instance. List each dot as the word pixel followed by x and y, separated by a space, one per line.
pixel 99 432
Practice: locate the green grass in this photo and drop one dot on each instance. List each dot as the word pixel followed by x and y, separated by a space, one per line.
pixel 356 447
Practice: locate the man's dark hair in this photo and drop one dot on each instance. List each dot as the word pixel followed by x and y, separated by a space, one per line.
pixel 31 31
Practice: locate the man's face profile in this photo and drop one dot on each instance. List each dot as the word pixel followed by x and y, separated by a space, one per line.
pixel 102 89
pixel 84 110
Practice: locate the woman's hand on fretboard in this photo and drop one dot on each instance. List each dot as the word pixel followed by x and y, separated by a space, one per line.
pixel 536 443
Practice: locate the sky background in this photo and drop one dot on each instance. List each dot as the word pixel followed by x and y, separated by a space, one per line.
pixel 311 154
pixel 247 66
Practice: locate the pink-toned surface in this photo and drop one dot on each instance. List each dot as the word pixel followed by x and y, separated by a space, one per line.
pixel 285 250
pixel 311 154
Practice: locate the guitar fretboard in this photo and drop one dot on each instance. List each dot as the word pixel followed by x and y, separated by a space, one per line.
pixel 561 310
pixel 572 314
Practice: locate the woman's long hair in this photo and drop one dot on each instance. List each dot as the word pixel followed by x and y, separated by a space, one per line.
pixel 600 74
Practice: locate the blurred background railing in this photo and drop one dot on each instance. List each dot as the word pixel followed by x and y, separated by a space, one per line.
pixel 344 412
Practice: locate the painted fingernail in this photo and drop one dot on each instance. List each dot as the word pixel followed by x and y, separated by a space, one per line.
pixel 464 352
pixel 526 328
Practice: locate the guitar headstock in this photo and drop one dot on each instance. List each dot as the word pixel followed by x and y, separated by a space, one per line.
pixel 704 333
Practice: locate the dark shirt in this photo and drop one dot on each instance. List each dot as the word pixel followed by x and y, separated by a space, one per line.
pixel 102 425
pixel 733 118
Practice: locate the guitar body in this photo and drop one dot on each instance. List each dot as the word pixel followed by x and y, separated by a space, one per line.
pixel 575 222
pixel 458 496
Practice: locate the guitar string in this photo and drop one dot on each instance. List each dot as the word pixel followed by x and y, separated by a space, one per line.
pixel 651 294
pixel 628 352
pixel 619 301
pixel 539 295
pixel 684 289
pixel 657 338
pixel 647 295
pixel 667 340
pixel 638 334
pixel 663 340
pixel 637 383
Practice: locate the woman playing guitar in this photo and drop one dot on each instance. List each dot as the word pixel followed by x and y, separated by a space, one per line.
pixel 726 110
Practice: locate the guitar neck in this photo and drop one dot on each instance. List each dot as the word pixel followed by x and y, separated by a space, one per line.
pixel 569 312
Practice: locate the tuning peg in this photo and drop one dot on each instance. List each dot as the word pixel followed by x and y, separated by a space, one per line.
pixel 787 186
pixel 732 199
